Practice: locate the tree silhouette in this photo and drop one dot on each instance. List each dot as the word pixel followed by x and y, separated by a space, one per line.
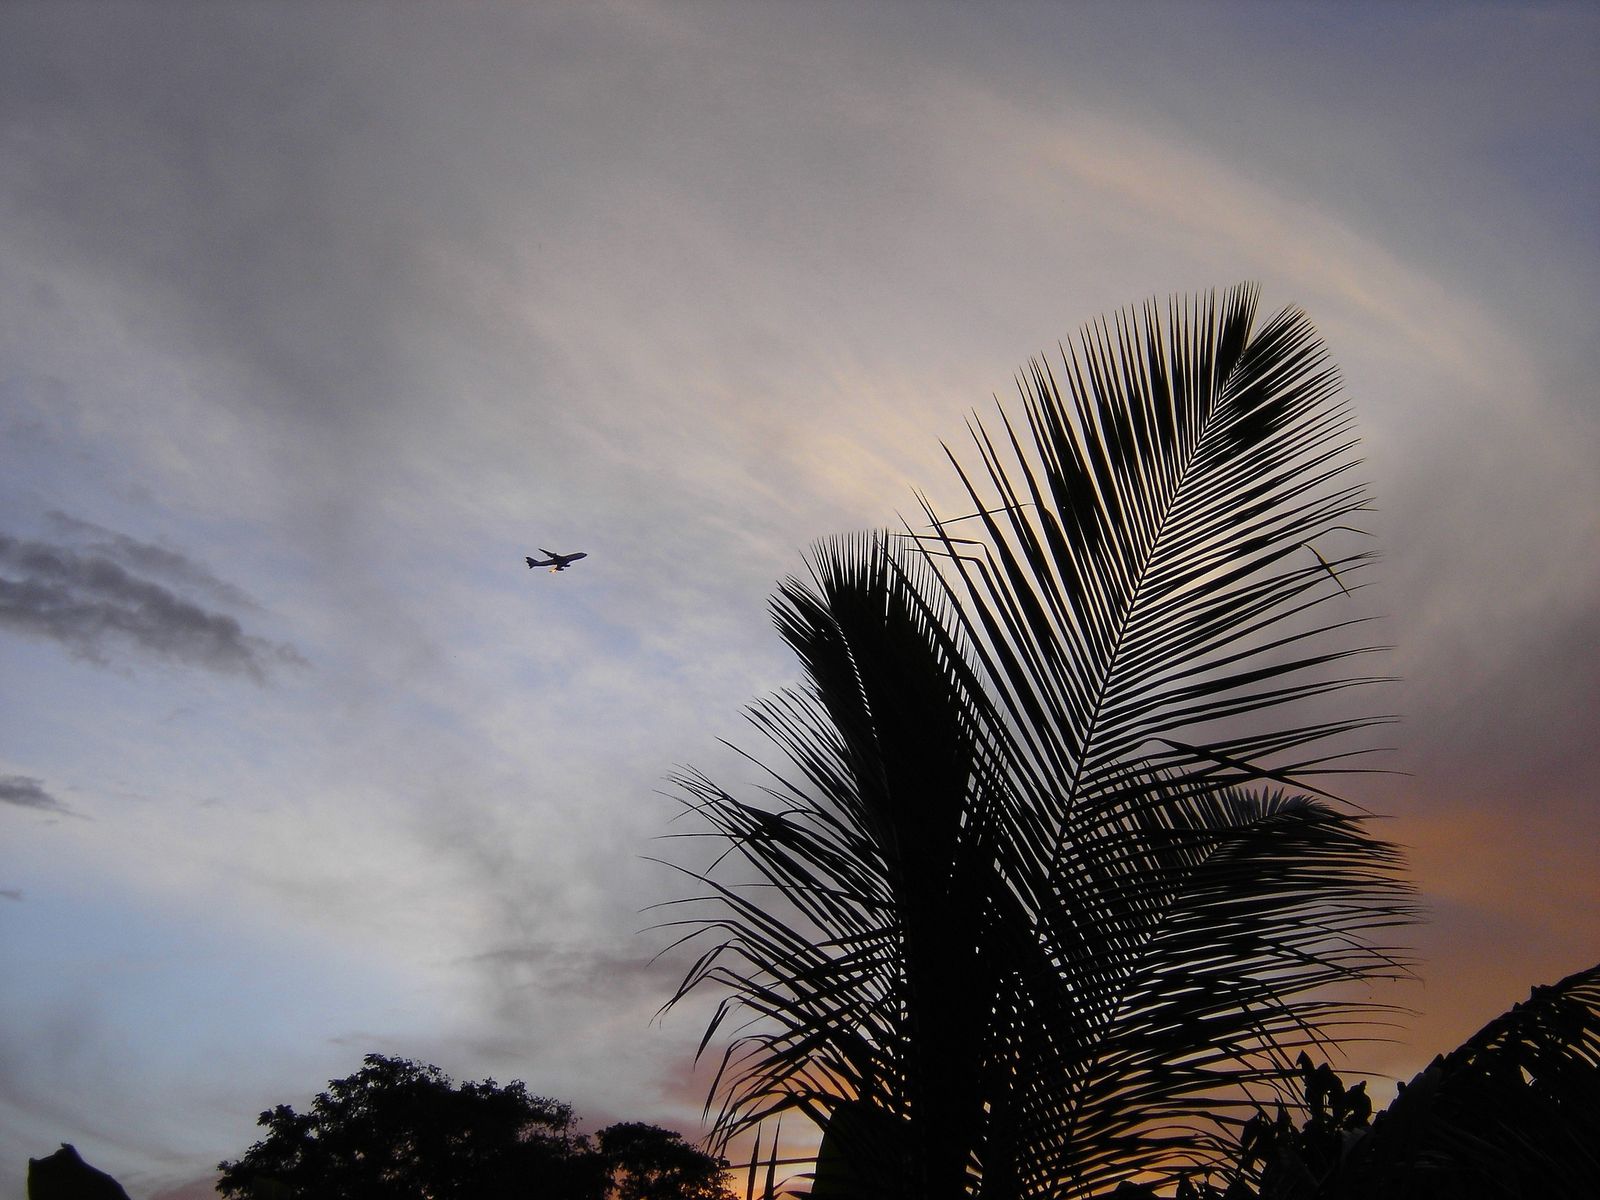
pixel 398 1130
pixel 65 1176
pixel 1513 1112
pixel 645 1162
pixel 1046 892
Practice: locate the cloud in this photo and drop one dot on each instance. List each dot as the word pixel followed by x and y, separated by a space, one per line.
pixel 26 792
pixel 159 561
pixel 391 295
pixel 96 605
pixel 575 971
pixel 196 1189
pixel 11 893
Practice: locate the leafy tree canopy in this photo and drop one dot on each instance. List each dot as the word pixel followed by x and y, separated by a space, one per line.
pixel 399 1130
pixel 646 1162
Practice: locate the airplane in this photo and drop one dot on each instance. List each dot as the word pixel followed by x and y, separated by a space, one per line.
pixel 556 562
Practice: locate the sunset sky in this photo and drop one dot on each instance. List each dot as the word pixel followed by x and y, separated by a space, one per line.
pixel 316 318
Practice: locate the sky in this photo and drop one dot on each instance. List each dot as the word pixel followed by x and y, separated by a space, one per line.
pixel 315 319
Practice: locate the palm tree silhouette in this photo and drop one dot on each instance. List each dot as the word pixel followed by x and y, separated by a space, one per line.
pixel 1043 891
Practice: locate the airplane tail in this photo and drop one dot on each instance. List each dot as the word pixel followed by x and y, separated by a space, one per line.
pixel 531 563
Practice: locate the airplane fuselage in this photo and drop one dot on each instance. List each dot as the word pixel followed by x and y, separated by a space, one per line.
pixel 556 562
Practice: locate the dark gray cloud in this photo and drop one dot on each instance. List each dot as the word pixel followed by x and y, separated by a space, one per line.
pixel 1513 712
pixel 274 224
pixel 26 792
pixel 578 971
pixel 97 607
pixel 11 893
pixel 146 558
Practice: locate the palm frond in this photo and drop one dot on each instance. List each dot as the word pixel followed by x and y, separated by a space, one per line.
pixel 1012 893
pixel 1144 571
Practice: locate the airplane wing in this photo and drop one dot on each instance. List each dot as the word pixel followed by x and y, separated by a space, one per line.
pixel 552 559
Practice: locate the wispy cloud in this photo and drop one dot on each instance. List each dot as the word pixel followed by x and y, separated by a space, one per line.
pixel 378 301
pixel 108 599
pixel 10 894
pixel 578 971
pixel 161 562
pixel 197 1189
pixel 26 792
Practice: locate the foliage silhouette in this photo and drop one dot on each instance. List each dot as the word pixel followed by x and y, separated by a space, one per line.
pixel 65 1176
pixel 645 1162
pixel 1513 1112
pixel 398 1130
pixel 1046 893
